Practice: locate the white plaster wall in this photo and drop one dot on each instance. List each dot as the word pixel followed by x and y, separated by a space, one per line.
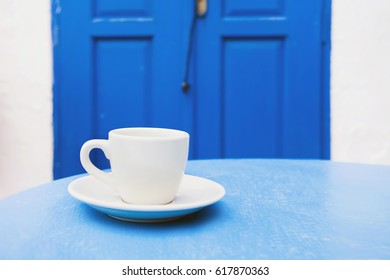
pixel 360 81
pixel 26 140
pixel 360 88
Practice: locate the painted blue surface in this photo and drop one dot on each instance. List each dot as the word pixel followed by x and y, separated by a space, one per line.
pixel 273 209
pixel 259 76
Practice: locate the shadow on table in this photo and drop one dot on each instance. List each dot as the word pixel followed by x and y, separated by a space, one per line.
pixel 201 218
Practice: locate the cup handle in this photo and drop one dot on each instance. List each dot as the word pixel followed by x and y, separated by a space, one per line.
pixel 89 166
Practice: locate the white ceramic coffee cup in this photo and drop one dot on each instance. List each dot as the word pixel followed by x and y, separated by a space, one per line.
pixel 147 164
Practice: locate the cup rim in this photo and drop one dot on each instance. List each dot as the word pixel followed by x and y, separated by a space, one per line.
pixel 149 133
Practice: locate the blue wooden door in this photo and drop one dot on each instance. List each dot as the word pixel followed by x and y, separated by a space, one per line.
pixel 258 75
pixel 260 79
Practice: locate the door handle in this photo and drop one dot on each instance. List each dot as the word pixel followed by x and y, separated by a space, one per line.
pixel 201 7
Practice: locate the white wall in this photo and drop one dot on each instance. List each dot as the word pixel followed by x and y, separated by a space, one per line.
pixel 360 88
pixel 360 81
pixel 26 141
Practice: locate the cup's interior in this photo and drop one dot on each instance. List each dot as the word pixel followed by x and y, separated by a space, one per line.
pixel 149 132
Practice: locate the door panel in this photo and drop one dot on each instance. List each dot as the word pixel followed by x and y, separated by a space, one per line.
pixel 123 8
pixel 255 73
pixel 121 66
pixel 250 8
pixel 251 88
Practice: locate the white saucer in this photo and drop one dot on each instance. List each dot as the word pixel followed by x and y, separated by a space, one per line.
pixel 194 194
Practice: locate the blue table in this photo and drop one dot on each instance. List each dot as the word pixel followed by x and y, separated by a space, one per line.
pixel 273 209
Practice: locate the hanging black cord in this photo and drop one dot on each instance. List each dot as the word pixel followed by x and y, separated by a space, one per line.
pixel 185 86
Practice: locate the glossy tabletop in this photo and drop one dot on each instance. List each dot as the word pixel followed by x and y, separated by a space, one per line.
pixel 272 209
